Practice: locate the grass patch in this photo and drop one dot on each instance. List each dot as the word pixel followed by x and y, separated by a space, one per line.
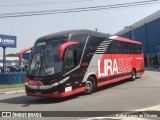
pixel 4 86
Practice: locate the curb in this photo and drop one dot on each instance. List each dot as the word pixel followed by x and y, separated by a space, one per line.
pixel 12 92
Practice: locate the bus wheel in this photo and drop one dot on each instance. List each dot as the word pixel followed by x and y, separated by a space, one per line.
pixel 90 86
pixel 133 75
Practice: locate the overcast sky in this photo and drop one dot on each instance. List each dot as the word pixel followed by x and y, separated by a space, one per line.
pixel 28 29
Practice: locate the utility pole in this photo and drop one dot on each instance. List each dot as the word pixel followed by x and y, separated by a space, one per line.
pixel 130 29
pixel 4 59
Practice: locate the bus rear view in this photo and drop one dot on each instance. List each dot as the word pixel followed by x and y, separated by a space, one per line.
pixel 71 62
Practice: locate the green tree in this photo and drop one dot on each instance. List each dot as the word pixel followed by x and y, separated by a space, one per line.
pixel 12 55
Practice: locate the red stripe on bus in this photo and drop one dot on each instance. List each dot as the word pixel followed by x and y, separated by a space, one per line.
pixel 127 40
pixel 58 95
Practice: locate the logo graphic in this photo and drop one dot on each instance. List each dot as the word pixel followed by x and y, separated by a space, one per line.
pixel 111 67
pixel 38 87
pixel 6 114
pixel 7 41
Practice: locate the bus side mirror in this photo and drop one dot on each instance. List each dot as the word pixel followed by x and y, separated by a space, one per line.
pixel 23 51
pixel 63 47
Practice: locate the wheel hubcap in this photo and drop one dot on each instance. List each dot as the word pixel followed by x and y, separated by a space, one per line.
pixel 88 85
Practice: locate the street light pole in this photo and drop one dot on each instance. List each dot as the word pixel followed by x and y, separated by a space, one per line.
pixel 4 59
pixel 131 29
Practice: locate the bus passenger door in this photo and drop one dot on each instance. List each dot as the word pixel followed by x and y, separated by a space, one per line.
pixel 73 61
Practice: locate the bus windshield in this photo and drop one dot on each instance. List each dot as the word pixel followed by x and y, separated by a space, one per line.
pixel 44 59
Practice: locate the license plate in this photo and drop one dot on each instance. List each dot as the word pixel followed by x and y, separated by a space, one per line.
pixel 38 93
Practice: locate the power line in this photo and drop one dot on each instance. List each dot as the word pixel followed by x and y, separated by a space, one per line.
pixel 119 5
pixel 116 6
pixel 48 3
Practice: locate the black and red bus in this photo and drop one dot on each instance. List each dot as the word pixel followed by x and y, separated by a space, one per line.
pixel 71 62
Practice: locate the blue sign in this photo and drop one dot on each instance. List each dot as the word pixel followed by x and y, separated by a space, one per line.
pixel 7 41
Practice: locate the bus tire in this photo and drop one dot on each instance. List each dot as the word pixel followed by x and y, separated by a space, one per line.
pixel 90 86
pixel 133 75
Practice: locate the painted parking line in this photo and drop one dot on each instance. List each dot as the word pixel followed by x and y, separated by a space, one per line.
pixel 153 108
pixel 12 92
pixel 115 118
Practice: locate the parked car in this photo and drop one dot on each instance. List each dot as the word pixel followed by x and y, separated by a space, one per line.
pixel 14 68
pixel 1 68
pixel 7 69
pixel 21 67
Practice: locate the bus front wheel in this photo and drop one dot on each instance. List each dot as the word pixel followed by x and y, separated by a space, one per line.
pixel 90 86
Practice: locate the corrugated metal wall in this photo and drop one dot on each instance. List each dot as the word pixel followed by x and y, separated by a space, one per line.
pixel 148 34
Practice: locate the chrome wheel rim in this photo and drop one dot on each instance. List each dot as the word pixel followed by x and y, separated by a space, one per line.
pixel 88 86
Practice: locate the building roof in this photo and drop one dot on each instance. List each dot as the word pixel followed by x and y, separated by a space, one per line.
pixel 147 19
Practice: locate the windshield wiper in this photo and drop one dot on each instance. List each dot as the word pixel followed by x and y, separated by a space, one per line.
pixel 43 62
pixel 44 65
pixel 37 63
pixel 34 69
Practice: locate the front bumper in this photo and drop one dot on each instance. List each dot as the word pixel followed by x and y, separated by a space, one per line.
pixel 53 94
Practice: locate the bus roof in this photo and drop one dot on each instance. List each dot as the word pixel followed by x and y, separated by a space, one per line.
pixel 65 34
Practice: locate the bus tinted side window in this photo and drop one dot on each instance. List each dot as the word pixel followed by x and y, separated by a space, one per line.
pixel 69 59
pixel 132 48
pixel 93 44
pixel 115 47
pixel 81 39
pixel 120 47
pixel 137 49
pixel 127 48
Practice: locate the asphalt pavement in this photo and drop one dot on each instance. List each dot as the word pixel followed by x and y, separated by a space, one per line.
pixel 141 94
pixel 11 90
